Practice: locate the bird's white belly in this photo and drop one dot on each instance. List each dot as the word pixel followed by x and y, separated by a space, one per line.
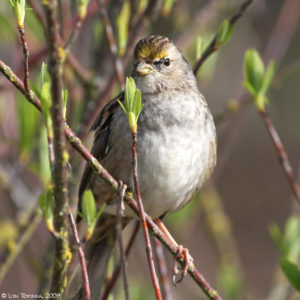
pixel 171 168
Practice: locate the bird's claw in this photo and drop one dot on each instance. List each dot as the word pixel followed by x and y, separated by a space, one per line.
pixel 182 253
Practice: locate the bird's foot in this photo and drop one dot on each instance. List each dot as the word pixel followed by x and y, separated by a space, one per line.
pixel 182 253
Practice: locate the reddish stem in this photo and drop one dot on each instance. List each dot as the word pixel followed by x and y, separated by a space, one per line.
pixel 143 220
pixel 26 57
pixel 284 160
pixel 85 277
pixel 162 267
pixel 117 269
pixel 122 189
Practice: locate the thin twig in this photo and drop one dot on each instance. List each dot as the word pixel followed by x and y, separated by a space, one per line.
pixel 113 47
pixel 143 219
pixel 103 173
pixel 117 269
pixel 284 160
pixel 26 57
pixel 74 33
pixel 172 246
pixel 213 46
pixel 162 267
pixel 122 189
pixel 82 260
pixel 62 253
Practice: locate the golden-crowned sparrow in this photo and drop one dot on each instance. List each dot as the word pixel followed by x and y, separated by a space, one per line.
pixel 176 149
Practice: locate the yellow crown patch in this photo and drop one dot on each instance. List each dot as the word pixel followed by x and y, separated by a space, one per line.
pixel 151 48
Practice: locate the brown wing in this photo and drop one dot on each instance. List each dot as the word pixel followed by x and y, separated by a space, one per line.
pixel 100 147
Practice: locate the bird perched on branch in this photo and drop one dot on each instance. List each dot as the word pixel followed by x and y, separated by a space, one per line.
pixel 176 149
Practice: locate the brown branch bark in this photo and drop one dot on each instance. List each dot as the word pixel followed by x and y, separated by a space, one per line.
pixel 82 260
pixel 117 269
pixel 283 157
pixel 60 173
pixel 26 57
pixel 162 267
pixel 122 189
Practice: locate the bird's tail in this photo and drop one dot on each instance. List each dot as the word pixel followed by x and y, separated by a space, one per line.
pixel 97 253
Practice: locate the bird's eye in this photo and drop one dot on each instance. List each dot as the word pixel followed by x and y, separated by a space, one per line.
pixel 158 63
pixel 167 62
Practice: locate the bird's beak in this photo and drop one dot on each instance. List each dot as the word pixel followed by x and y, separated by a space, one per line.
pixel 144 69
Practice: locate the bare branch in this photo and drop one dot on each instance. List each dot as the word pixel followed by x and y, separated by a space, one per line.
pixel 162 267
pixel 143 219
pixel 122 189
pixel 26 57
pixel 62 253
pixel 82 260
pixel 213 46
pixel 117 269
pixel 283 157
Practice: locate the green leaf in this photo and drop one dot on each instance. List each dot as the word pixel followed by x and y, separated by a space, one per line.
pixel 133 103
pixel 291 238
pixel 292 272
pixel 268 78
pixel 34 89
pixel 89 207
pixel 138 103
pixel 254 70
pixel 260 101
pixel 64 99
pixel 44 165
pixel 142 6
pixel 19 8
pixel 45 76
pixel 82 8
pixel 225 32
pixel 167 6
pixel 123 26
pixel 198 47
pixel 28 119
pixel 46 203
pixel 46 99
pixel 122 105
pixel 100 211
pixel 250 88
pixel 288 243
pixel 13 3
pixel 230 281
pixel 276 236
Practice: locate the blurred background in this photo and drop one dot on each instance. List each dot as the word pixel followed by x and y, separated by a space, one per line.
pixel 227 226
